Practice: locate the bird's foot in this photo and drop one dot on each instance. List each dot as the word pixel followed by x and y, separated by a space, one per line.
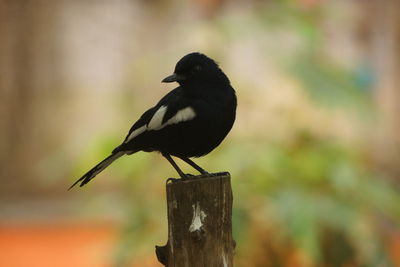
pixel 187 176
pixel 184 177
pixel 172 180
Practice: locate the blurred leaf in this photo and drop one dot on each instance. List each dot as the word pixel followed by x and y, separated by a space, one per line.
pixel 330 84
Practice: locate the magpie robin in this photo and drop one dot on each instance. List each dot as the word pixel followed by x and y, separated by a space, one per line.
pixel 190 121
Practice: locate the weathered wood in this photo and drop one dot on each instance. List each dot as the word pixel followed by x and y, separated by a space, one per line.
pixel 199 222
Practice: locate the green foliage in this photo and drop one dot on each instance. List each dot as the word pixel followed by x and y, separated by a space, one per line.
pixel 331 84
pixel 311 187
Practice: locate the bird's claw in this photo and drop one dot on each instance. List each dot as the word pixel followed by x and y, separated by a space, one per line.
pixel 172 180
pixel 186 176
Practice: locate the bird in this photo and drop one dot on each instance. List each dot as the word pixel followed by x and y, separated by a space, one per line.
pixel 189 121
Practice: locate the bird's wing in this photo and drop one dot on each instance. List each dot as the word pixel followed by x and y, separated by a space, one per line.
pixel 140 125
pixel 173 108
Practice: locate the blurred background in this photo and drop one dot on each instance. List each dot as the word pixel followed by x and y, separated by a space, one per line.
pixel 314 154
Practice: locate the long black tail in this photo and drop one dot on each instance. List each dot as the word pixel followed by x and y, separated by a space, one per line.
pixel 97 169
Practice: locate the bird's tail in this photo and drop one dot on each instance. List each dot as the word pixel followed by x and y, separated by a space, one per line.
pixel 97 169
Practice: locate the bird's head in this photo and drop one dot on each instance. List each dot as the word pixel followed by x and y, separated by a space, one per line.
pixel 195 68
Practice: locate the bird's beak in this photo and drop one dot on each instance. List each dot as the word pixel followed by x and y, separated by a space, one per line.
pixel 172 78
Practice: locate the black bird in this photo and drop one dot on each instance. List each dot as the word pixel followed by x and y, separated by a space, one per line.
pixel 190 121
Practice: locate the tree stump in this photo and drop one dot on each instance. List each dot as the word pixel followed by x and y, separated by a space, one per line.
pixel 199 222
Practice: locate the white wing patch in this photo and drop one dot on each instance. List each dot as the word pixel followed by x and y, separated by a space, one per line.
pixel 155 123
pixel 136 133
pixel 185 114
pixel 181 116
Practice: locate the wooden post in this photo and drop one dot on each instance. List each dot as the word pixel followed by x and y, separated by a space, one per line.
pixel 199 222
